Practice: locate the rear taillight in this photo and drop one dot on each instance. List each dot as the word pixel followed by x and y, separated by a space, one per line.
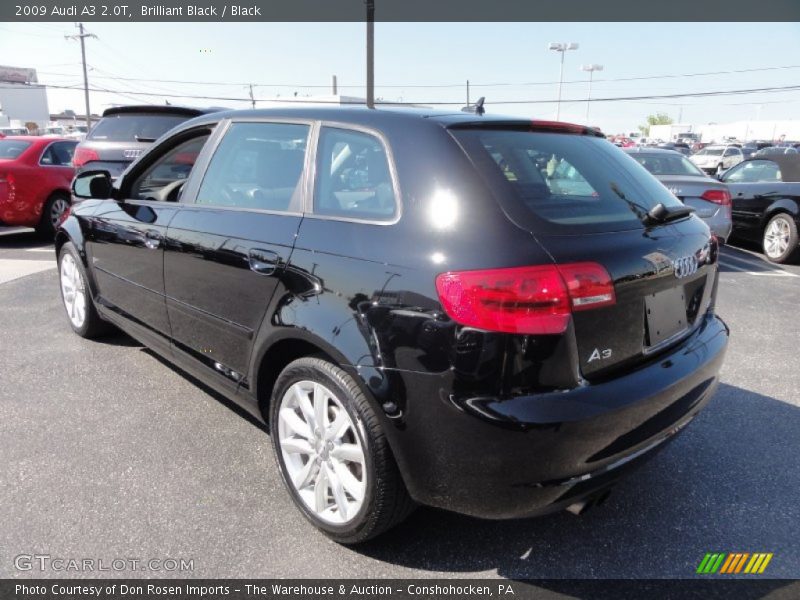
pixel 526 300
pixel 721 197
pixel 83 156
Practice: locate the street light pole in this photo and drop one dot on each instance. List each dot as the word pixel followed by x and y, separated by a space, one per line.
pixel 561 47
pixel 590 69
pixel 370 53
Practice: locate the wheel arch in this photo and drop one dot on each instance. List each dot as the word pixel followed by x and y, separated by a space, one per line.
pixel 783 205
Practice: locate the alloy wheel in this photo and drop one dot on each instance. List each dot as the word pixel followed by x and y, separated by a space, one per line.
pixel 57 209
pixel 322 452
pixel 73 291
pixel 776 238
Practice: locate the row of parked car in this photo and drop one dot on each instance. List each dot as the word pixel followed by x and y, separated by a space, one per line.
pixel 35 175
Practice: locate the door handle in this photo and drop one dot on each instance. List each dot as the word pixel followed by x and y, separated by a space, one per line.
pixel 152 239
pixel 263 262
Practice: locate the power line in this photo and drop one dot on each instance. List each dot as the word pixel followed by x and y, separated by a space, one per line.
pixel 777 89
pixel 435 86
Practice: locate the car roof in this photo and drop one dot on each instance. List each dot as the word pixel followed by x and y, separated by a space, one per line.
pixel 361 115
pixel 788 163
pixel 165 109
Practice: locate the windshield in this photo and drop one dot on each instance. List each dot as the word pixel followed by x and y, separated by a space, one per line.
pixel 129 127
pixel 565 182
pixel 667 164
pixel 711 152
pixel 11 149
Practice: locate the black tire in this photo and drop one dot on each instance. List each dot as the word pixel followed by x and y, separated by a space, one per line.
pixel 386 501
pixel 54 204
pixel 92 326
pixel 790 254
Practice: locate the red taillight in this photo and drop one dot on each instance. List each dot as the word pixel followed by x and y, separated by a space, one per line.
pixel 722 197
pixel 83 156
pixel 526 300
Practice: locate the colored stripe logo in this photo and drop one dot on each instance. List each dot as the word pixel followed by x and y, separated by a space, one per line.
pixel 733 563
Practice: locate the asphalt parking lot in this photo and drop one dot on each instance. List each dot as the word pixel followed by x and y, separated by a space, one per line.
pixel 108 452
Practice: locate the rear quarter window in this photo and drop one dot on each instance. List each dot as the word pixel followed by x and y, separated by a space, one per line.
pixel 562 182
pixel 133 127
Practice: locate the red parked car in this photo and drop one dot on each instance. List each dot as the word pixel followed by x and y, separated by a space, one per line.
pixel 35 178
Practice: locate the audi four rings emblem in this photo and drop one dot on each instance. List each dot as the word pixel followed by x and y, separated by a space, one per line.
pixel 684 266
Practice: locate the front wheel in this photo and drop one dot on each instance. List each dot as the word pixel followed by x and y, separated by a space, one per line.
pixel 780 239
pixel 76 296
pixel 332 453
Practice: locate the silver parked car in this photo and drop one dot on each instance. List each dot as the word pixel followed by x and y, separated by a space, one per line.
pixel 709 197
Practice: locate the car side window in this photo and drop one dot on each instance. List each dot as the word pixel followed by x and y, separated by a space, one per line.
pixel 353 176
pixel 163 179
pixel 754 171
pixel 59 154
pixel 257 165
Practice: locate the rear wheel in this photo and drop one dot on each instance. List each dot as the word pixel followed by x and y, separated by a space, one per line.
pixel 780 239
pixel 76 296
pixel 54 209
pixel 332 453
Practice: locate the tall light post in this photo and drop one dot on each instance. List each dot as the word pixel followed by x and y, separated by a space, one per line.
pixel 561 47
pixel 590 69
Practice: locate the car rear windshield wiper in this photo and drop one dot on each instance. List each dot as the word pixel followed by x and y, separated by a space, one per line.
pixel 657 214
pixel 661 214
pixel 144 139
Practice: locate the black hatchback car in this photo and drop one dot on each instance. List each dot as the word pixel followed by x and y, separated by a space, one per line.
pixel 494 316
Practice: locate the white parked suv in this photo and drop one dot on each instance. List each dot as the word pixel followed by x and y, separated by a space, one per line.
pixel 716 159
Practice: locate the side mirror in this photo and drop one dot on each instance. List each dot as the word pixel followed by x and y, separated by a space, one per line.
pixel 93 184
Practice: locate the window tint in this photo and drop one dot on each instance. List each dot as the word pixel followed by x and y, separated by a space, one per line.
pixel 565 182
pixel 257 165
pixel 134 128
pixel 11 149
pixel 59 154
pixel 754 171
pixel 353 177
pixel 164 178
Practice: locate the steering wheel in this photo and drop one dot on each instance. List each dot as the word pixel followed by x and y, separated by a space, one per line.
pixel 168 193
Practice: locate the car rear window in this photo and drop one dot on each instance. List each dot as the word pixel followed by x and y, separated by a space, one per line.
pixel 562 182
pixel 663 164
pixel 11 149
pixel 134 127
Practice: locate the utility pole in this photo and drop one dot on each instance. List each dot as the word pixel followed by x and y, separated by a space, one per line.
pixel 467 92
pixel 82 36
pixel 252 99
pixel 370 53
pixel 334 85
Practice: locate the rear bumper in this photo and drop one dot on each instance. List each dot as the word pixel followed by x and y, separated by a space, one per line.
pixel 527 455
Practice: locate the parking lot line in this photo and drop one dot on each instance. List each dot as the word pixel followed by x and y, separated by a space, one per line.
pixel 11 269
pixel 766 273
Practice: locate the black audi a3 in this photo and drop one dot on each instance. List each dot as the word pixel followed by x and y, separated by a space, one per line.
pixel 490 315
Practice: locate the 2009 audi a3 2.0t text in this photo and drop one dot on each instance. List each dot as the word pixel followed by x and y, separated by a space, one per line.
pixel 493 316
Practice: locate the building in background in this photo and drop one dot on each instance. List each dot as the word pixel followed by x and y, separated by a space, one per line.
pixel 22 100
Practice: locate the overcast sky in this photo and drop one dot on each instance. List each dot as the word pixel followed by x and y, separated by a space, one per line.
pixel 503 61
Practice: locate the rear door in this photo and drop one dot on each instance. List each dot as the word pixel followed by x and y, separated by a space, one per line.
pixel 228 247
pixel 584 200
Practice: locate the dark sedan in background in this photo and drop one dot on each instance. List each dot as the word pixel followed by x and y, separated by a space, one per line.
pixel 765 193
pixel 710 198
pixel 125 132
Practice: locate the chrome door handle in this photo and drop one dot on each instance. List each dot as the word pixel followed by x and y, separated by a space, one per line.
pixel 263 262
pixel 152 239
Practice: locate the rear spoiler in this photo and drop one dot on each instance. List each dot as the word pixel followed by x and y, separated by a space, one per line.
pixel 519 125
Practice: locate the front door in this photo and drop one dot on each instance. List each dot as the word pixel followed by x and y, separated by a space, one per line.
pixel 126 237
pixel 228 247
